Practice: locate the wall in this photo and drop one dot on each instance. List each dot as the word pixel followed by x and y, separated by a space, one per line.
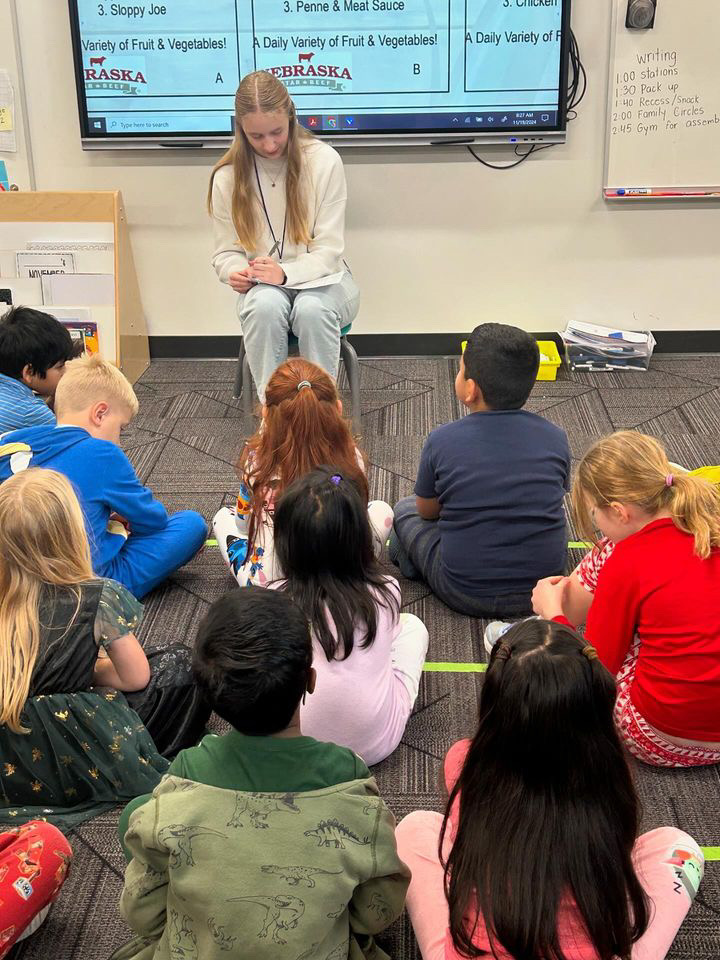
pixel 436 241
pixel 18 164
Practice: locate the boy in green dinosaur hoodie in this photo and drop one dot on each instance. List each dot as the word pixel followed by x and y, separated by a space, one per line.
pixel 260 843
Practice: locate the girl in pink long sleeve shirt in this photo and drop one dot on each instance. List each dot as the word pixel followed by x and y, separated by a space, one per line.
pixel 367 655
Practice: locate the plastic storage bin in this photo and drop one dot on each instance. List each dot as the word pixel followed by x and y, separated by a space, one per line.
pixel 589 346
pixel 549 360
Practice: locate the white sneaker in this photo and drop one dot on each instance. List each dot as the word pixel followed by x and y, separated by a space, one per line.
pixel 35 924
pixel 493 631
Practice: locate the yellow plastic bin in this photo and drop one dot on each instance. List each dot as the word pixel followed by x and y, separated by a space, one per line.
pixel 549 360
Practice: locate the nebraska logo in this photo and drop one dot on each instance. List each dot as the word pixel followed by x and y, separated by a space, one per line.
pixel 306 74
pixel 100 77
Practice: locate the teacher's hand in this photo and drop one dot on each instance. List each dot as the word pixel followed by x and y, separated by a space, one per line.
pixel 241 280
pixel 267 270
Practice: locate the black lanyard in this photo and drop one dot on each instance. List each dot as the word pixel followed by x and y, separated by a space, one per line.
pixel 267 216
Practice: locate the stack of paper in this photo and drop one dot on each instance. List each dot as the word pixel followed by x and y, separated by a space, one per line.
pixel 68 289
pixel 589 346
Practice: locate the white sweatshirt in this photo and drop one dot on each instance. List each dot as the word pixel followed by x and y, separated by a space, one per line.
pixel 318 264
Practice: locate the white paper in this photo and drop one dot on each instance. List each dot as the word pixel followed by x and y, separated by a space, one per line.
pixel 24 291
pixel 91 256
pixel 593 330
pixel 77 315
pixel 8 138
pixel 71 289
pixel 92 245
pixel 34 264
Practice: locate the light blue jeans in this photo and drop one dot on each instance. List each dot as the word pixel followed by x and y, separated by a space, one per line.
pixel 268 314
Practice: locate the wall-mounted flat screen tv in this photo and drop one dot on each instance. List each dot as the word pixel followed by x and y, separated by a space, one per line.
pixel 164 72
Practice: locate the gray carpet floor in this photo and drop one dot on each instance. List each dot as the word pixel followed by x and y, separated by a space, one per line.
pixel 184 443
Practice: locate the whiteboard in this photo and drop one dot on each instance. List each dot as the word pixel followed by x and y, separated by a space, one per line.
pixel 663 125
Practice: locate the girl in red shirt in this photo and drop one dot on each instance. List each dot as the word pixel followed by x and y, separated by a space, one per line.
pixel 541 855
pixel 655 616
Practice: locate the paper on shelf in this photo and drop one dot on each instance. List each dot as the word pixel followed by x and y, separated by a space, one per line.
pixel 32 263
pixel 8 139
pixel 92 245
pixel 70 289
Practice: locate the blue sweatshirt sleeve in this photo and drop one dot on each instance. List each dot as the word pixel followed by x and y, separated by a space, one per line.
pixel 125 495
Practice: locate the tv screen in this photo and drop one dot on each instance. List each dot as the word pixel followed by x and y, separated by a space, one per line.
pixel 164 72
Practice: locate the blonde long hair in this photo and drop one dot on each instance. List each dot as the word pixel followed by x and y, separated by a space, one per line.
pixel 629 467
pixel 42 542
pixel 261 92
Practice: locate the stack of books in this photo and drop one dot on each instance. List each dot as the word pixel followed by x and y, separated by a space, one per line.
pixel 592 347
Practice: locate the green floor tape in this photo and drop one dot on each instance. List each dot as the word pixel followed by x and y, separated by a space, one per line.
pixel 712 854
pixel 455 667
pixel 572 544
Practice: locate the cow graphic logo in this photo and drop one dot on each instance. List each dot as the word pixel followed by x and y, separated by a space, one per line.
pixel 305 73
pixel 127 79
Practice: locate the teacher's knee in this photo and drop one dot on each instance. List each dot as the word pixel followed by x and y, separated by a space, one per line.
pixel 311 311
pixel 265 305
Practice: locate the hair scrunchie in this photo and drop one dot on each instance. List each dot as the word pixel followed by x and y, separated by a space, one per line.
pixel 590 652
pixel 303 384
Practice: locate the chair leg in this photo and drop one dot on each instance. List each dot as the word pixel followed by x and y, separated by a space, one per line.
pixel 237 391
pixel 352 368
pixel 247 396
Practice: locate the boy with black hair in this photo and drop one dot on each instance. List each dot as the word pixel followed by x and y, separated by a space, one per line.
pixel 261 842
pixel 34 348
pixel 487 520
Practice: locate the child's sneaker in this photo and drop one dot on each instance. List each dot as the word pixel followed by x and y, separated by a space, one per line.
pixel 493 631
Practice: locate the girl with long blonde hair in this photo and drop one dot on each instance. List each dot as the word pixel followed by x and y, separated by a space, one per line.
pixel 70 741
pixel 302 429
pixel 655 613
pixel 277 199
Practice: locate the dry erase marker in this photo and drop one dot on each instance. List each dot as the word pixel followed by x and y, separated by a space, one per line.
pixel 684 193
pixel 634 192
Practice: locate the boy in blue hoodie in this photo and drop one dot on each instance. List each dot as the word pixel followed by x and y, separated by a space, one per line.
pixel 34 348
pixel 93 402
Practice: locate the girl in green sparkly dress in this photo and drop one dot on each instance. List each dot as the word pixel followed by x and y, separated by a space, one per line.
pixel 84 715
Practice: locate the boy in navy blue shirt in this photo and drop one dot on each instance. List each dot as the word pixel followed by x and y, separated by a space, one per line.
pixel 93 402
pixel 34 348
pixel 487 520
